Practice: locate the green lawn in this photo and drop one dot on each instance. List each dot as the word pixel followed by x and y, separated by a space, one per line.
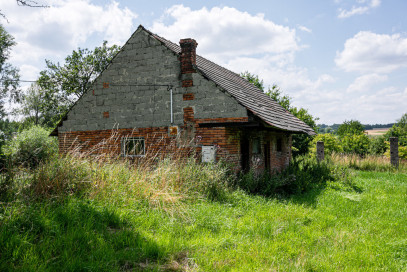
pixel 327 229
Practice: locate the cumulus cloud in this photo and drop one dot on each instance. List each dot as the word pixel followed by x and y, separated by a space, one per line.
pixel 226 31
pixel 358 10
pixel 55 31
pixel 373 53
pixel 242 42
pixel 365 83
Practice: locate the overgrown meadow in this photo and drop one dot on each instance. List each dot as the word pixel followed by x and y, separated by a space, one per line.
pixel 94 213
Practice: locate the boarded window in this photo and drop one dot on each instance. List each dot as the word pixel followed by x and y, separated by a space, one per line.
pixel 133 147
pixel 208 153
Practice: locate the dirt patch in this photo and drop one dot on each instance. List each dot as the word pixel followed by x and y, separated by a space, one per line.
pixel 376 131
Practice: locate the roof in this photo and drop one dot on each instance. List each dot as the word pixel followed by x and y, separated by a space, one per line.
pixel 248 95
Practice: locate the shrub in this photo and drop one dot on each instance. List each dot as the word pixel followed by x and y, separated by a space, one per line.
pixel 399 132
pixel 30 147
pixel 377 146
pixel 402 151
pixel 303 174
pixel 331 143
pixel 355 143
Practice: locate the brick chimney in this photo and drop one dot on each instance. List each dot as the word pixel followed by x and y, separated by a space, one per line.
pixel 188 60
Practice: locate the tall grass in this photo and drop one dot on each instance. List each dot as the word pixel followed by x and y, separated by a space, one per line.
pixel 367 163
pixel 156 180
pixel 303 174
pixel 92 211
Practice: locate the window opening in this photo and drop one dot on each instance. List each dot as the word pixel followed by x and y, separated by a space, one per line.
pixel 279 145
pixel 256 146
pixel 133 147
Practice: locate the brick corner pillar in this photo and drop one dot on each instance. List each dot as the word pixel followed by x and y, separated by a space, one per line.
pixel 394 151
pixel 188 60
pixel 320 151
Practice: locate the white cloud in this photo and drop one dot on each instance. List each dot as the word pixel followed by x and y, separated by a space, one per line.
pixel 373 53
pixel 243 42
pixel 358 10
pixel 304 28
pixel 54 32
pixel 365 83
pixel 227 31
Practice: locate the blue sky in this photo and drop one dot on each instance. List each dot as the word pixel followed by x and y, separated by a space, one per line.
pixel 340 59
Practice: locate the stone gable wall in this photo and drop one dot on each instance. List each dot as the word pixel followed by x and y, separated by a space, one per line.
pixel 116 101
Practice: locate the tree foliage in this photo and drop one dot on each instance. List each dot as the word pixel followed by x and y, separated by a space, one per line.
pixel 8 74
pixel 282 99
pixel 64 84
pixel 399 130
pixel 351 127
pixel 300 141
pixel 254 79
pixel 75 76
pixel 36 108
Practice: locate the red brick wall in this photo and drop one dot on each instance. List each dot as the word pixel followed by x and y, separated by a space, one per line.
pixel 190 139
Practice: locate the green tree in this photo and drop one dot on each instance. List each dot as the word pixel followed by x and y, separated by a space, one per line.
pixel 350 127
pixel 36 108
pixel 64 84
pixel 300 141
pixel 399 130
pixel 8 74
pixel 254 79
pixel 282 99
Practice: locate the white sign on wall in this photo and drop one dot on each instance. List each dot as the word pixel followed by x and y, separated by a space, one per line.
pixel 208 153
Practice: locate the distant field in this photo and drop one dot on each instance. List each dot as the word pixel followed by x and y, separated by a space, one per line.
pixel 377 131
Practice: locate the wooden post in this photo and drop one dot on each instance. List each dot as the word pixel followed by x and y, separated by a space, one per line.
pixel 320 151
pixel 394 151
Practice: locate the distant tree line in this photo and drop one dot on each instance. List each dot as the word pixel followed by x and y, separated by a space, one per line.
pixel 323 128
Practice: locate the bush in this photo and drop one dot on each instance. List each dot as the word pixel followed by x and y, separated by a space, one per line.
pixel 355 143
pixel 377 146
pixel 303 174
pixel 331 143
pixel 402 151
pixel 30 147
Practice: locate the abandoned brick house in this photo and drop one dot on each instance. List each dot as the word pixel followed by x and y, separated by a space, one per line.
pixel 154 91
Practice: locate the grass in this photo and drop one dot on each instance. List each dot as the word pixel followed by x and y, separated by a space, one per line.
pixel 83 215
pixel 367 163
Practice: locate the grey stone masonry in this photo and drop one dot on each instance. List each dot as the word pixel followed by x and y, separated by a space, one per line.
pixel 320 151
pixel 394 151
pixel 137 95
